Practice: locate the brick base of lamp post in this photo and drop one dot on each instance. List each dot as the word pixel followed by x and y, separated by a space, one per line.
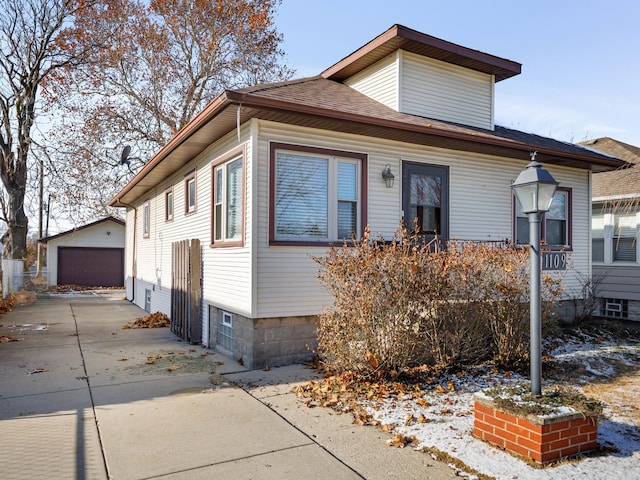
pixel 542 439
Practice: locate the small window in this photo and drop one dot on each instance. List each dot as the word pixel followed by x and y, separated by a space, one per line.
pixel 225 330
pixel 146 220
pixel 190 193
pixel 555 226
pixel 168 204
pixel 615 308
pixel 228 202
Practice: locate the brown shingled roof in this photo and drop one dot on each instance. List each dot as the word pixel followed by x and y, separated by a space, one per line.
pixel 338 102
pixel 317 102
pixel 623 181
pixel 323 102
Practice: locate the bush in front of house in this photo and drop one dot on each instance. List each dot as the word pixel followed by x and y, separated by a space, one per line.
pixel 407 302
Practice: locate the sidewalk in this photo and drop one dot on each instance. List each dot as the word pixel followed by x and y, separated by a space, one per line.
pixel 80 397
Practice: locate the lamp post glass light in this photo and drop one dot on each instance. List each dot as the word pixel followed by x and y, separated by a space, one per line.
pixel 534 189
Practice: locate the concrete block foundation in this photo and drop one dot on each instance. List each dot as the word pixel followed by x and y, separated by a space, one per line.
pixel 264 342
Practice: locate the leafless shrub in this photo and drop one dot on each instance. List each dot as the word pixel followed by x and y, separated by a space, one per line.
pixel 406 302
pixel 584 301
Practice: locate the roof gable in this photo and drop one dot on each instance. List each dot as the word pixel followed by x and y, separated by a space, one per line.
pixel 403 38
pixel 624 181
pixel 83 227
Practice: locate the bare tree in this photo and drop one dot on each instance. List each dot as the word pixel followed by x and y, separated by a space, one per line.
pixel 33 39
pixel 166 60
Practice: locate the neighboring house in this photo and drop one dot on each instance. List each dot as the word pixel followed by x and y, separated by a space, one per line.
pixel 91 255
pixel 267 176
pixel 616 223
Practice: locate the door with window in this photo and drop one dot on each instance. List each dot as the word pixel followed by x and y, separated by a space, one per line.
pixel 425 199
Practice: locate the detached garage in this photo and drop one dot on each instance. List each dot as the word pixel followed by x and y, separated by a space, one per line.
pixel 91 255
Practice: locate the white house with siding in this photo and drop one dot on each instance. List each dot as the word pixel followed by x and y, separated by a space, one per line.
pixel 615 233
pixel 267 176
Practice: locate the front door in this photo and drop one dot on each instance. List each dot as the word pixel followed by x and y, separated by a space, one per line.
pixel 425 199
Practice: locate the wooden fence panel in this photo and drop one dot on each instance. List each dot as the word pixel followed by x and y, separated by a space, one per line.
pixel 186 290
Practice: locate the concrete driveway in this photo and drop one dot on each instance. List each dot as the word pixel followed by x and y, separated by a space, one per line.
pixel 83 398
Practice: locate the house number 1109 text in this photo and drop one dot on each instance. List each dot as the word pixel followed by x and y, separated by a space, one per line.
pixel 554 261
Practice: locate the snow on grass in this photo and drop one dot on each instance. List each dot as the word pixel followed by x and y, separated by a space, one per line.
pixel 443 417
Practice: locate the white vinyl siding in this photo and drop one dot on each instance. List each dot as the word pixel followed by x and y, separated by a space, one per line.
pixel 226 275
pixel 379 81
pixel 480 209
pixel 259 280
pixel 417 85
pixel 619 281
pixel 440 90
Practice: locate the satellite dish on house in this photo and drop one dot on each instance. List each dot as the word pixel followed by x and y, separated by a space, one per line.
pixel 124 157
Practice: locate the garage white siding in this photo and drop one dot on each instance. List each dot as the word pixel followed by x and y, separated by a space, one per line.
pixel 101 234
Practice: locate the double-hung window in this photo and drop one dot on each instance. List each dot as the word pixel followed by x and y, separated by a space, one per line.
pixel 190 192
pixel 228 201
pixel 555 227
pixel 316 194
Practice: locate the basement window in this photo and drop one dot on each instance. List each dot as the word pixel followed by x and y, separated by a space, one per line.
pixel 615 308
pixel 225 330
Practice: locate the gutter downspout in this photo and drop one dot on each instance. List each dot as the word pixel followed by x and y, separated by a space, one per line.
pixel 133 255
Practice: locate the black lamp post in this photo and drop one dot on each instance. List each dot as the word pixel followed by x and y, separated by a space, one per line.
pixel 534 189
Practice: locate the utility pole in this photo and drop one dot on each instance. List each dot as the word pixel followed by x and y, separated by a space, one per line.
pixel 40 247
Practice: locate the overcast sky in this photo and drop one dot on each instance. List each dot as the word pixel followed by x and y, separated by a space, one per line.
pixel 580 59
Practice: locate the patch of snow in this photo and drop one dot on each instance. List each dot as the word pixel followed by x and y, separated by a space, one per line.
pixel 447 420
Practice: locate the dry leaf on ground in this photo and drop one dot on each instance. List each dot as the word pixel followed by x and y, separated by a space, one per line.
pixel 155 320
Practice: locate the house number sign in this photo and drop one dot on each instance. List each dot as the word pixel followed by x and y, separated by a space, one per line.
pixel 554 261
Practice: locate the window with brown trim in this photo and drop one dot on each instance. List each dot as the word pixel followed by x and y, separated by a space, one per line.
pixel 317 195
pixel 168 204
pixel 190 193
pixel 555 226
pixel 227 227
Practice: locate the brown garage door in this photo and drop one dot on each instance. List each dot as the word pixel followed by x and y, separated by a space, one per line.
pixel 93 267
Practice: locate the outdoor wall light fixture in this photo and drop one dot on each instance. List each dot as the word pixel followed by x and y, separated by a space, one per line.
pixel 388 176
pixel 534 189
